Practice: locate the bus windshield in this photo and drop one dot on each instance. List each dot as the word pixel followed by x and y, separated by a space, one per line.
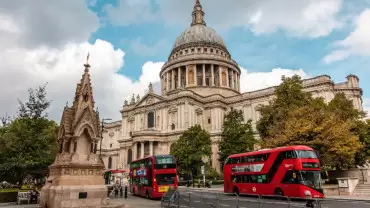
pixel 163 162
pixel 310 178
pixel 165 179
pixel 306 154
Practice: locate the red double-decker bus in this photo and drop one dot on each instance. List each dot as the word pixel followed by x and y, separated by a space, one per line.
pixel 292 171
pixel 152 176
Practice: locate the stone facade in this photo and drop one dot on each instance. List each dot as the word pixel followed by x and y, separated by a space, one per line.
pixel 200 83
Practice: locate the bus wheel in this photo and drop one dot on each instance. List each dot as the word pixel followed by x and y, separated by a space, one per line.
pixel 236 191
pixel 278 192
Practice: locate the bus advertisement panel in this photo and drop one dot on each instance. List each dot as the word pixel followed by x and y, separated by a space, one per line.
pixel 152 176
pixel 292 171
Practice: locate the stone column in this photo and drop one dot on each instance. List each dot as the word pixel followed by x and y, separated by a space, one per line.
pixel 186 76
pixel 232 85
pixel 141 149
pixel 134 152
pixel 220 75
pixel 172 79
pixel 179 78
pixel 150 147
pixel 227 78
pixel 168 81
pixel 195 75
pixel 204 74
pixel 212 75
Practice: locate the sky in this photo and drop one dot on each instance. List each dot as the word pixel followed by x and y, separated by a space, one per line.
pixel 46 41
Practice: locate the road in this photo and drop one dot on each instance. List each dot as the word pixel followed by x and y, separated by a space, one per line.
pixel 199 199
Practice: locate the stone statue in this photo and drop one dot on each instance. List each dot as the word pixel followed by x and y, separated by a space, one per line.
pixel 137 98
pixel 132 99
pixel 150 87
pixel 125 103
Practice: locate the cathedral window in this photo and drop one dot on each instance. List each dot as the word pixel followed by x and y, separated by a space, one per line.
pixel 75 146
pixel 192 50
pixel 199 75
pixel 199 50
pixel 223 77
pixel 186 51
pixel 209 120
pixel 191 77
pixel 211 50
pixel 173 126
pixel 110 163
pixel 129 156
pixel 150 119
pixel 205 50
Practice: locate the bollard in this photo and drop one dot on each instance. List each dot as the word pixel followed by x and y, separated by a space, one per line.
pixel 189 201
pixel 237 201
pixel 217 201
pixel 259 201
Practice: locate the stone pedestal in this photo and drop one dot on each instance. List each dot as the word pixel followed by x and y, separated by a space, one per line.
pixel 75 182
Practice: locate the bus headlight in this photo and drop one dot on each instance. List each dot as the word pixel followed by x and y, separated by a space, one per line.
pixel 307 193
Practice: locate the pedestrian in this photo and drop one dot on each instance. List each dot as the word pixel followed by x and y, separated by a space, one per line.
pixel 116 189
pixel 126 192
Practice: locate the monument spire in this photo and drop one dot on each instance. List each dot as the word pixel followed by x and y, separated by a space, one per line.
pixel 84 88
pixel 198 14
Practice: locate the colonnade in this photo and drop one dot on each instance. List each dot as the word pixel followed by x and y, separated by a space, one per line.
pixel 212 75
pixel 140 145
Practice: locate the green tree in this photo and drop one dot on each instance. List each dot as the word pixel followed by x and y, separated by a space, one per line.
pixel 29 143
pixel 295 117
pixel 289 95
pixel 193 145
pixel 236 137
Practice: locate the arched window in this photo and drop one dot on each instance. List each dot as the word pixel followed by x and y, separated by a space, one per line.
pixel 150 119
pixel 129 156
pixel 173 126
pixel 110 163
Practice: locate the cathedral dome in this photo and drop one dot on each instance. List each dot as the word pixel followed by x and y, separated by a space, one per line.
pixel 199 33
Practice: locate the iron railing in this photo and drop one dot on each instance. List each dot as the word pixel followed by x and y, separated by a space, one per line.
pixel 199 199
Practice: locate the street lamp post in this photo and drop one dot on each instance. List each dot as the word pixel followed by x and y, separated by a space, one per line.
pixel 101 135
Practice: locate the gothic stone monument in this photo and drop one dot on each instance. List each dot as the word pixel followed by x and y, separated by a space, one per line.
pixel 76 176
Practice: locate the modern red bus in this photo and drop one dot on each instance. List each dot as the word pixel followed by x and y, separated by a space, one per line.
pixel 152 176
pixel 292 171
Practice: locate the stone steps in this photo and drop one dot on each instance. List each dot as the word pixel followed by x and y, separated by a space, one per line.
pixel 362 190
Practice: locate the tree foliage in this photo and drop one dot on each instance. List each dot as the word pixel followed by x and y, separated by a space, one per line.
pixel 236 136
pixel 193 145
pixel 28 144
pixel 333 129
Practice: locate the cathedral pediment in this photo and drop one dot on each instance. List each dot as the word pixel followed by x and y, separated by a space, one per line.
pixel 149 99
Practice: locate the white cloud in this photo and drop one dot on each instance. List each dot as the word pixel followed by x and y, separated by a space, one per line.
pixel 366 106
pixel 356 43
pixel 148 50
pixel 131 11
pixel 303 18
pixel 250 81
pixel 40 46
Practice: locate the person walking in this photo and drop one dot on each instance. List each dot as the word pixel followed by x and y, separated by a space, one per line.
pixel 125 185
pixel 116 189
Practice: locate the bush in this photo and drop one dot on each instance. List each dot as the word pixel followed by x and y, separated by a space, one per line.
pixel 8 196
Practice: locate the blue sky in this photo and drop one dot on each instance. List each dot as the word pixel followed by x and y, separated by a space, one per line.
pixel 129 40
pixel 256 52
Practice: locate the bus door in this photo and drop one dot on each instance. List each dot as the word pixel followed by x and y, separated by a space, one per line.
pixel 290 184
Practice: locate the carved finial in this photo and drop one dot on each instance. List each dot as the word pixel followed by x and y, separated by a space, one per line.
pixel 87 65
pixel 137 98
pixel 132 99
pixel 67 104
pixel 150 87
pixel 125 103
